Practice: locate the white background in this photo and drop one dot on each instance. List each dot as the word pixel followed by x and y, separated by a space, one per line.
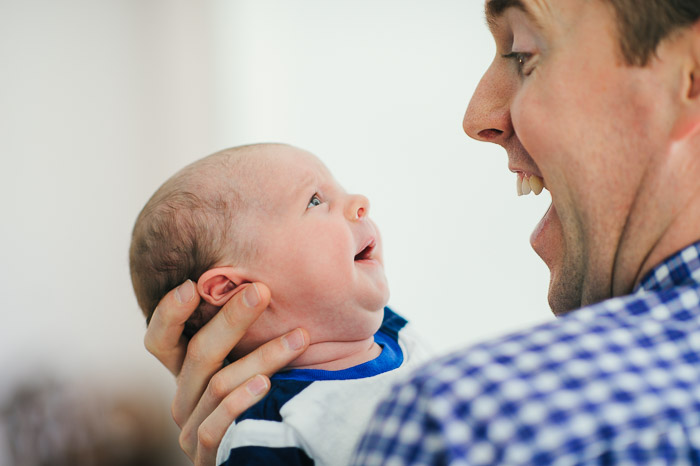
pixel 101 101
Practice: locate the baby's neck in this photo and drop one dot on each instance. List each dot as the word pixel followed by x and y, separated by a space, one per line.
pixel 335 356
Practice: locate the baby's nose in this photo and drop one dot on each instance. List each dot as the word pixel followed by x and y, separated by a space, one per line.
pixel 357 207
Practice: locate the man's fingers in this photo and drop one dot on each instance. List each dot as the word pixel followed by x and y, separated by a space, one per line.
pixel 164 334
pixel 231 391
pixel 267 359
pixel 228 326
pixel 270 357
pixel 209 434
pixel 211 344
pixel 209 398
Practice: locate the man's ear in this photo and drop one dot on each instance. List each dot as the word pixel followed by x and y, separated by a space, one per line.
pixel 688 123
pixel 216 286
pixel 694 88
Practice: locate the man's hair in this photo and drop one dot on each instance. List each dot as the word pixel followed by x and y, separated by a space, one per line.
pixel 643 24
pixel 183 231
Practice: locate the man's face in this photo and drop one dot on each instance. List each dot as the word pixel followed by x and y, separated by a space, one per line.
pixel 568 110
pixel 316 249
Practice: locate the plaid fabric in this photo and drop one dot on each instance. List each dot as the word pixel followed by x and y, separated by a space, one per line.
pixel 613 383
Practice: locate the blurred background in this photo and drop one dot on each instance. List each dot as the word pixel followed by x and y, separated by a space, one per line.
pixel 102 100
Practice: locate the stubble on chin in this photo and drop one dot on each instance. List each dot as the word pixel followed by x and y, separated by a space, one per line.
pixel 563 297
pixel 565 288
pixel 573 289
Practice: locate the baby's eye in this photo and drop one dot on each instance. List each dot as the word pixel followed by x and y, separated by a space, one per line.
pixel 314 201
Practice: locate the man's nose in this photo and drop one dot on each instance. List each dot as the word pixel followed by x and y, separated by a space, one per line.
pixel 488 115
pixel 357 207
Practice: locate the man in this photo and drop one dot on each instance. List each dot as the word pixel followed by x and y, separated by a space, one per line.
pixel 600 101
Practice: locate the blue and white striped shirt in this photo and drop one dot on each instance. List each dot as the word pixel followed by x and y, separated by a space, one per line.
pixel 316 417
pixel 616 382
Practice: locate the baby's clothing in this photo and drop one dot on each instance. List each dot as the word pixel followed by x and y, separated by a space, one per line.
pixel 316 417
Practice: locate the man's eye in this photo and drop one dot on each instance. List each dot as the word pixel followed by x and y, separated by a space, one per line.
pixel 521 60
pixel 314 201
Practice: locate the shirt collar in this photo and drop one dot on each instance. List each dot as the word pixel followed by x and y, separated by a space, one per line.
pixel 680 269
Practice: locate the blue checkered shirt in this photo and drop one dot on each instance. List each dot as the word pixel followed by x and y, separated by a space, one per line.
pixel 613 383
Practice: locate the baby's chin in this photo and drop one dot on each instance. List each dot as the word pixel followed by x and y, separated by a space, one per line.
pixel 351 325
pixel 361 327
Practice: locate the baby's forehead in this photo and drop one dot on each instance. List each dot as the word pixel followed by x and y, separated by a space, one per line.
pixel 285 166
pixel 260 172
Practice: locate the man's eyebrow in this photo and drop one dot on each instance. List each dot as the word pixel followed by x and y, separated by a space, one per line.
pixel 495 8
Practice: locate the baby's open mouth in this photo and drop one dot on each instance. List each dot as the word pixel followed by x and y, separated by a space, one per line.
pixel 366 252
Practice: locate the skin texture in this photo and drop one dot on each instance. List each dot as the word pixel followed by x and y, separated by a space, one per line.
pixel 617 147
pixel 605 136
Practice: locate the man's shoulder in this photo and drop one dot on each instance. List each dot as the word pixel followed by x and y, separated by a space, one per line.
pixel 618 381
pixel 624 327
pixel 614 370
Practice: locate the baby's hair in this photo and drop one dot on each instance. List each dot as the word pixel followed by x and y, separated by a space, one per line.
pixel 184 230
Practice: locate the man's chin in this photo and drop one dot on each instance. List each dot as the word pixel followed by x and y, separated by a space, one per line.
pixel 563 297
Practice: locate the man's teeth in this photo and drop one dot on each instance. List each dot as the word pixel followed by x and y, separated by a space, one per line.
pixel 525 184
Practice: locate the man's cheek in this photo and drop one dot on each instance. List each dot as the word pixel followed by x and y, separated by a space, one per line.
pixel 526 115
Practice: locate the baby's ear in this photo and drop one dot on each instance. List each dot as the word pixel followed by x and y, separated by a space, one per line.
pixel 216 286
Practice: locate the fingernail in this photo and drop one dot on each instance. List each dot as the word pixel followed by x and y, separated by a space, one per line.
pixel 256 385
pixel 293 341
pixel 251 297
pixel 185 292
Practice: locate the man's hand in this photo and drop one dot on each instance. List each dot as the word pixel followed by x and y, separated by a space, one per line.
pixel 208 398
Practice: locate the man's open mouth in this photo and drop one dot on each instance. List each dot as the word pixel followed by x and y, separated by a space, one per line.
pixel 366 252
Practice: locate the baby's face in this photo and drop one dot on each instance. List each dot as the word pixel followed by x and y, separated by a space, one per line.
pixel 317 251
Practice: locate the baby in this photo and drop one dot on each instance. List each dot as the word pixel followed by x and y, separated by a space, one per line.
pixel 274 214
